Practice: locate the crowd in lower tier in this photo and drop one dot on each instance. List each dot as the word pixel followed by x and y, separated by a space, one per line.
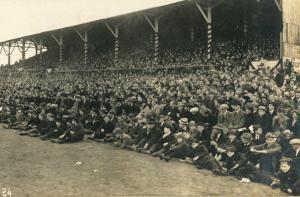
pixel 232 122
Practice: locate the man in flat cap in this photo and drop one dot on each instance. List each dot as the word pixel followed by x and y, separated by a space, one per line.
pixel 195 115
pixel 269 153
pixel 152 144
pixel 232 161
pixel 104 132
pixel 237 117
pixel 231 140
pixel 60 127
pixel 280 121
pixel 203 159
pixel 223 116
pixel 166 140
pixel 179 150
pixel 294 152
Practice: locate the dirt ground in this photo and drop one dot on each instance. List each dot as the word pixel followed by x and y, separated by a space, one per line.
pixel 32 167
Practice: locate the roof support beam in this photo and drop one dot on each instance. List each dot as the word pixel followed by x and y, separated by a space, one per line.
pixel 41 51
pixel 155 28
pixel 82 36
pixel 37 44
pixel 115 32
pixel 278 5
pixel 59 41
pixel 154 25
pixel 23 50
pixel 202 11
pixel 208 18
pixel 209 8
pixel 9 53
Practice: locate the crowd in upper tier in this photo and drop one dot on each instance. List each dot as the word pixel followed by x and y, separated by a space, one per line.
pixel 224 54
pixel 231 121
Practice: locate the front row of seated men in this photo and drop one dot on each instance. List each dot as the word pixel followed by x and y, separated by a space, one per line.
pixel 244 152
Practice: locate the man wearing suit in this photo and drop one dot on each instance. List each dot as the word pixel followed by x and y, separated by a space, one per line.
pixel 237 117
pixel 263 119
pixel 202 159
pixel 272 110
pixel 74 134
pixel 224 116
pixel 294 153
pixel 269 152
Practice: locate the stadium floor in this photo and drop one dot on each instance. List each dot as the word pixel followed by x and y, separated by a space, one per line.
pixel 32 167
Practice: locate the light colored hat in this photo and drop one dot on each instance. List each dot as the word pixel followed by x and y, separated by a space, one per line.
pixel 285 159
pixel 270 135
pixel 192 122
pixel 295 141
pixel 246 135
pixel 184 121
pixel 194 109
pixel 224 106
pixel 262 108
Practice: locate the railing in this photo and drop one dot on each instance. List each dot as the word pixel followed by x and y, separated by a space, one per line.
pixel 270 64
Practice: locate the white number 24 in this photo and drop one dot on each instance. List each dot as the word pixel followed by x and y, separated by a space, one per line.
pixel 6 192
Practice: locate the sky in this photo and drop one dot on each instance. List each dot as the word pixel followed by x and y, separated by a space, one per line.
pixel 26 17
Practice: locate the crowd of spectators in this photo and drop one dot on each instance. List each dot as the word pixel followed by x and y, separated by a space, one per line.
pixel 224 54
pixel 231 121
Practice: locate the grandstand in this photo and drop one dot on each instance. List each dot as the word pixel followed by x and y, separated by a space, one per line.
pixel 211 83
pixel 201 31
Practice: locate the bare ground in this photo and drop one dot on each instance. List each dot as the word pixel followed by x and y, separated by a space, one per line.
pixel 32 167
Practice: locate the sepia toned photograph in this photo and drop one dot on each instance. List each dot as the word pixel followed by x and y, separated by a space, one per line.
pixel 149 98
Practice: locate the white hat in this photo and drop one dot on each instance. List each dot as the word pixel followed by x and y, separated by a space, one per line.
pixel 184 121
pixel 295 141
pixel 194 109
